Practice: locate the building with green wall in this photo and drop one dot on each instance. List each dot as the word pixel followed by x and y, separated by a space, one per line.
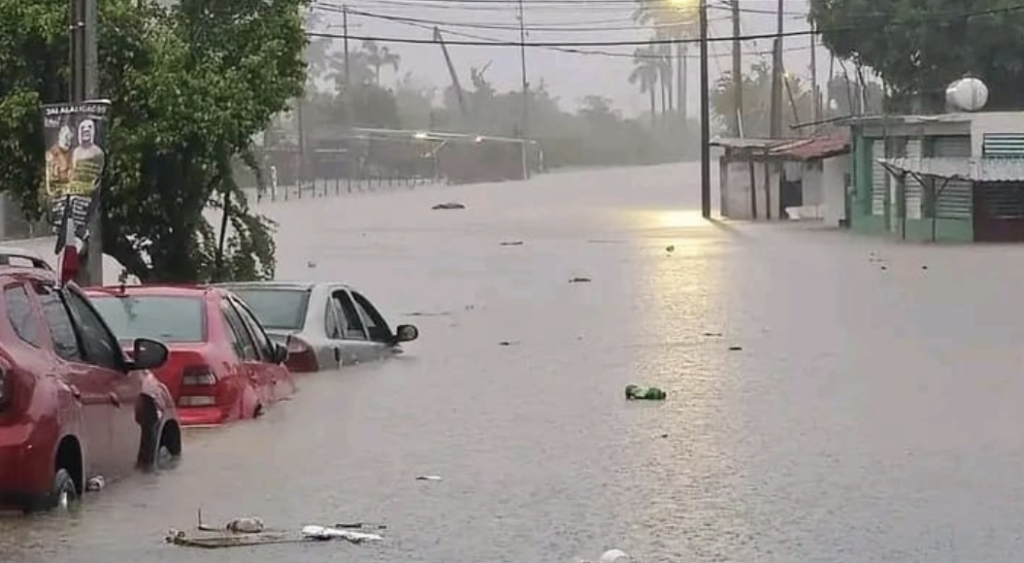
pixel 955 177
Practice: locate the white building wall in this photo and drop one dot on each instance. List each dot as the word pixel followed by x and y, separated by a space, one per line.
pixel 993 122
pixel 833 182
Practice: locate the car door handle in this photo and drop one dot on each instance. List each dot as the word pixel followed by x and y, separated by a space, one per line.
pixel 114 399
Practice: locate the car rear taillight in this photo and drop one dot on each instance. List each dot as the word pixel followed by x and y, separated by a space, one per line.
pixel 198 387
pixel 297 345
pixel 301 357
pixel 198 376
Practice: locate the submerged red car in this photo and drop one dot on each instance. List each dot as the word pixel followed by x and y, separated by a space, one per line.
pixel 222 367
pixel 73 406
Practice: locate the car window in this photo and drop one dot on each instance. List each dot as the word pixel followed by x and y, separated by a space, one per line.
pixel 21 314
pixel 100 346
pixel 263 344
pixel 348 316
pixel 332 326
pixel 240 338
pixel 57 319
pixel 159 317
pixel 276 309
pixel 375 324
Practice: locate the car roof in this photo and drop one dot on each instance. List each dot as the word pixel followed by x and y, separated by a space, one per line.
pixel 37 260
pixel 283 285
pixel 151 290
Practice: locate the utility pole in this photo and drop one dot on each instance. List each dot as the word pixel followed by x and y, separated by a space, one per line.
pixel 85 86
pixel 344 27
pixel 737 71
pixel 776 117
pixel 814 78
pixel 705 116
pixel 524 127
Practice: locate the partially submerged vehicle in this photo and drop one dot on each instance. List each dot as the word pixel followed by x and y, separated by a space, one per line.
pixel 223 366
pixel 325 325
pixel 73 405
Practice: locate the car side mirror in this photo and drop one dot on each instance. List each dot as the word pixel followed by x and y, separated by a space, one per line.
pixel 406 333
pixel 148 354
pixel 280 354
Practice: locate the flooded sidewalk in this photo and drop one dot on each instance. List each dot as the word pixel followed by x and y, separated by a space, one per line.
pixel 830 398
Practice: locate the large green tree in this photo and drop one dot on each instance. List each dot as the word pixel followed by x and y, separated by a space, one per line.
pixel 191 84
pixel 919 46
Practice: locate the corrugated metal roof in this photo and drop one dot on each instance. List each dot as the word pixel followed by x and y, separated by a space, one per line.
pixel 973 169
pixel 814 148
pixel 736 143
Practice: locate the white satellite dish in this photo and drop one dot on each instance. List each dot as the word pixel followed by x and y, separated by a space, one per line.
pixel 967 94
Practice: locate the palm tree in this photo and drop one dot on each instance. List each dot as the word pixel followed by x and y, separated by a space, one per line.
pixel 647 68
pixel 378 57
pixel 665 72
pixel 672 19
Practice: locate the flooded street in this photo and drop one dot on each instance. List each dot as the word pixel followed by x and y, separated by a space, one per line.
pixel 872 415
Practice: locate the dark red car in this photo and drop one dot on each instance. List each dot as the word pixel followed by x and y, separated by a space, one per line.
pixel 73 406
pixel 222 365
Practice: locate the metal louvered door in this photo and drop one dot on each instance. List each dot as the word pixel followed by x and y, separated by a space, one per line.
pixel 955 199
pixel 913 191
pixel 879 179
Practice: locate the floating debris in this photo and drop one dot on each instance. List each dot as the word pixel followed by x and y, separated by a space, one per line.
pixel 924 267
pixel 614 556
pixel 95 484
pixel 422 314
pixel 362 526
pixel 512 243
pixel 735 348
pixel 248 525
pixel 450 205
pixel 713 334
pixel 321 533
pixel 885 268
pixel 670 248
pixel 580 280
pixel 639 393
pixel 508 343
pixel 429 478
pixel 311 264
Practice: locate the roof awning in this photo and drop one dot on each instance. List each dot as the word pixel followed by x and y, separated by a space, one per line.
pixel 970 169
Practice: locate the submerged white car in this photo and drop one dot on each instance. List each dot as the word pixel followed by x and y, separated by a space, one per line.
pixel 325 325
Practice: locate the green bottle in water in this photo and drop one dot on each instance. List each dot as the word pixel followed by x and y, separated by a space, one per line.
pixel 641 393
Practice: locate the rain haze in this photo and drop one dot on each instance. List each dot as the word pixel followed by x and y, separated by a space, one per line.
pixel 571 77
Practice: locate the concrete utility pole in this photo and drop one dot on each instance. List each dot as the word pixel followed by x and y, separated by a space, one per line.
pixel 524 127
pixel 814 77
pixel 85 86
pixel 344 27
pixel 776 117
pixel 705 116
pixel 737 71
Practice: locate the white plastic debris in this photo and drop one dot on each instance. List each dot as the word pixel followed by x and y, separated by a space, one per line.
pixel 325 534
pixel 250 525
pixel 614 556
pixel 429 478
pixel 95 484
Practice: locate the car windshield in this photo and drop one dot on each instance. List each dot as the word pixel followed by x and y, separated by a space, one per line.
pixel 277 309
pixel 164 318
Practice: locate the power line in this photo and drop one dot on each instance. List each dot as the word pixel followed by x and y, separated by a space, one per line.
pixel 429 25
pixel 657 41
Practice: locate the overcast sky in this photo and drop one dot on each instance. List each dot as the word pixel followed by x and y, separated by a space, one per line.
pixel 568 76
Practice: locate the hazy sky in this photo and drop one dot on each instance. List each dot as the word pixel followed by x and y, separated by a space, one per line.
pixel 568 76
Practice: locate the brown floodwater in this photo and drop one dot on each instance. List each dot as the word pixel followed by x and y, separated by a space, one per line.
pixel 872 415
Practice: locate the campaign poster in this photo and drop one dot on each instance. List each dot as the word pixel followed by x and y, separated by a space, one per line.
pixel 75 135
